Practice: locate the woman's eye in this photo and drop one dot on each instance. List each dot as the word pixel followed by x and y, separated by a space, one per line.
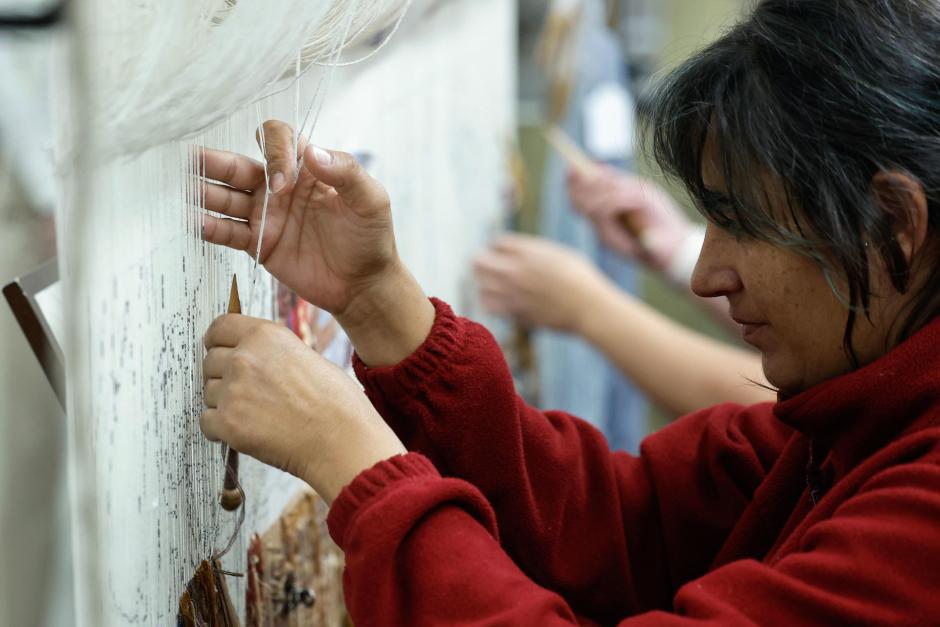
pixel 724 214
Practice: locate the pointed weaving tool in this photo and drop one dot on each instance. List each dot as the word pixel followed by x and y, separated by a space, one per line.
pixel 231 491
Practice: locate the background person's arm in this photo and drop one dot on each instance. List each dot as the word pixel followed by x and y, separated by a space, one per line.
pixel 542 283
pixel 679 369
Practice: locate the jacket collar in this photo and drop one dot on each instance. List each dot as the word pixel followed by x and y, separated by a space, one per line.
pixel 862 411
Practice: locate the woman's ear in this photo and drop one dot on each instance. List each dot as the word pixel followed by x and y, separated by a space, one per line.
pixel 903 199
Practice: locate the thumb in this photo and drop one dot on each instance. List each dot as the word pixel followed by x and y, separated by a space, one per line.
pixel 573 176
pixel 342 172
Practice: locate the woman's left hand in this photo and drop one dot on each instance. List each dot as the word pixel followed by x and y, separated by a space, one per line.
pixel 271 397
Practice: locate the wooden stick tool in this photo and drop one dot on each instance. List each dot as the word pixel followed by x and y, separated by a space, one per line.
pixel 587 167
pixel 231 490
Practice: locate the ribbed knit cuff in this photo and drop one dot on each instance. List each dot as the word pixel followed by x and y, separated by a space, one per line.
pixel 413 373
pixel 369 484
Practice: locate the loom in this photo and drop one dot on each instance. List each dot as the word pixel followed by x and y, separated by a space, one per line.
pixel 149 82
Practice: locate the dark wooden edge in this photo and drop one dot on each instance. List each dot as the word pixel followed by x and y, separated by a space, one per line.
pixel 20 296
pixel 45 19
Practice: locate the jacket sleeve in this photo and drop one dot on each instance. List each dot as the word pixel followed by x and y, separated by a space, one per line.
pixel 613 534
pixel 423 550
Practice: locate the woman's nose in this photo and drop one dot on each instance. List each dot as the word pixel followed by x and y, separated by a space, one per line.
pixel 715 273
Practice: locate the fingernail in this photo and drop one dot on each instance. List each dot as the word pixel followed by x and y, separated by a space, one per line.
pixel 322 156
pixel 278 181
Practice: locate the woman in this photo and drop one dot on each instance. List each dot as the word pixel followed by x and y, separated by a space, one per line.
pixel 810 136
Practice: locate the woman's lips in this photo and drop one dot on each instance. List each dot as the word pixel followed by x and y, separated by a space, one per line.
pixel 750 331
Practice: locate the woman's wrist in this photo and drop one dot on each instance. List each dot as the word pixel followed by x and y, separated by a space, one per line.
pixel 388 321
pixel 354 459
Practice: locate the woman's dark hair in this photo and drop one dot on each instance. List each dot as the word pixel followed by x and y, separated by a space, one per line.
pixel 821 95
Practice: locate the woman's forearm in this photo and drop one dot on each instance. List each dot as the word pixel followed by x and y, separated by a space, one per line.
pixel 679 369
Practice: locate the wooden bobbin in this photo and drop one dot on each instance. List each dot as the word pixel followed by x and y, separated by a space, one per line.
pixel 231 492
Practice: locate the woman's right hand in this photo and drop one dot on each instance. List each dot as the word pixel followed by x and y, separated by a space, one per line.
pixel 328 235
pixel 606 195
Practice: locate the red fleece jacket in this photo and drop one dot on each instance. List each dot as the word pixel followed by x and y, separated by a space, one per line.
pixel 819 510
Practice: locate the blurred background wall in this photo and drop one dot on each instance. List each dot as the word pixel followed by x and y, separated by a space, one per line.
pixel 33 513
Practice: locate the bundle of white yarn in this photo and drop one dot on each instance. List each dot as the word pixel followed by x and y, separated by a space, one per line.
pixel 168 69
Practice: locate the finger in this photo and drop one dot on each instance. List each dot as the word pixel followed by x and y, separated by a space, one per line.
pixel 228 330
pixel 302 143
pixel 216 362
pixel 227 200
pixel 514 243
pixel 276 140
pixel 342 172
pixel 607 171
pixel 496 303
pixel 224 232
pixel 212 393
pixel 230 168
pixel 604 203
pixel 495 265
pixel 617 238
pixel 603 186
pixel 496 284
pixel 575 177
pixel 209 423
pixel 577 201
pixel 309 189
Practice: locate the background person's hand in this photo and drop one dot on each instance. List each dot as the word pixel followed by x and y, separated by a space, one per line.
pixel 328 234
pixel 269 396
pixel 536 281
pixel 607 194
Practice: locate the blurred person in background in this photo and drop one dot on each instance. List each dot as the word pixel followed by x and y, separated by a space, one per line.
pixel 586 92
pixel 584 366
pixel 542 283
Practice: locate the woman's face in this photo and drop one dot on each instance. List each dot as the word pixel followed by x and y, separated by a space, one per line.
pixel 786 307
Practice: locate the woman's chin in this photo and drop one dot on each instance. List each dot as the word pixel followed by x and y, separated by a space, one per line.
pixel 783 374
pixel 790 375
